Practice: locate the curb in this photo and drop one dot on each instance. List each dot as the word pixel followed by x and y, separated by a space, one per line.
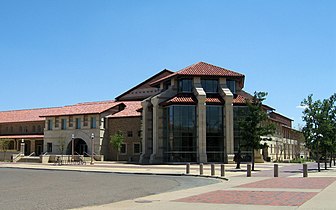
pixel 118 172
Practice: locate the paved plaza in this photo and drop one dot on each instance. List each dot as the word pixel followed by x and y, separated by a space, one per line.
pixel 235 191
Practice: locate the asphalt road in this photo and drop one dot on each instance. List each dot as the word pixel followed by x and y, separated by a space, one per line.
pixel 43 189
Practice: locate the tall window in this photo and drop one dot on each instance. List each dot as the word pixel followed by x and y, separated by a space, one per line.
pixel 50 124
pixel 185 85
pixel 34 129
pixel 56 122
pixel 180 134
pixel 49 147
pixel 136 148
pixel 71 121
pixel 93 122
pixel 86 120
pixel 78 123
pixel 214 133
pixel 210 85
pixel 231 84
pixel 64 124
pixel 123 149
pixel 39 128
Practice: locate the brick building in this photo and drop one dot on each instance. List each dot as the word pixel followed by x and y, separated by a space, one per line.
pixel 187 116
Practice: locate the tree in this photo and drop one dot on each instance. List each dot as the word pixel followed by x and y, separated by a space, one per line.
pixel 319 130
pixel 253 126
pixel 61 145
pixel 116 141
pixel 4 146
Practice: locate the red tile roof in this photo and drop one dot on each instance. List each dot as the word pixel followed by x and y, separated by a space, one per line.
pixel 27 115
pixel 180 99
pixel 23 137
pixel 84 108
pixel 202 69
pixel 214 99
pixel 31 115
pixel 239 99
pixel 131 110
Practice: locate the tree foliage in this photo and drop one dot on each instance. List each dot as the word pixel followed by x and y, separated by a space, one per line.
pixel 4 146
pixel 253 126
pixel 116 141
pixel 320 127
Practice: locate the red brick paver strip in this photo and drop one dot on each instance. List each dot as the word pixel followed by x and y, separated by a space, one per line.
pixel 271 198
pixel 294 183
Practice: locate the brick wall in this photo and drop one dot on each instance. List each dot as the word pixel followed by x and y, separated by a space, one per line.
pixel 130 128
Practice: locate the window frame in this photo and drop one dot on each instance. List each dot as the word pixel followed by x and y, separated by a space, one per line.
pixel 136 143
pixel 123 153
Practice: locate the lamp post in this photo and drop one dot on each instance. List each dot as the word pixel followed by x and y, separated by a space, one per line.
pixel 72 147
pixel 92 148
pixel 22 149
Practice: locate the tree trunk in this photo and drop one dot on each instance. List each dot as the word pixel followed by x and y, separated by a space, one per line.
pixel 330 162
pixel 318 162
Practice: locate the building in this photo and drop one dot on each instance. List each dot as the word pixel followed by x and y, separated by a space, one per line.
pixel 190 115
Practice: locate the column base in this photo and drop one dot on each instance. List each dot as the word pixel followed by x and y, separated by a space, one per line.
pixel 202 158
pixel 144 159
pixel 154 159
pixel 230 158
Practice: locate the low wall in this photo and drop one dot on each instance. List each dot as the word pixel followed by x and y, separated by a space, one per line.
pixel 7 156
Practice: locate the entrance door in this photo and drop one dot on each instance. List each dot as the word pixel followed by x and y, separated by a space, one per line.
pixel 27 148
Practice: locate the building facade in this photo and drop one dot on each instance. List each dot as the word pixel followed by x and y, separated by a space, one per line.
pixel 191 115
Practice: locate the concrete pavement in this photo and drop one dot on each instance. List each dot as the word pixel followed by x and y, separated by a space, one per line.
pixel 261 191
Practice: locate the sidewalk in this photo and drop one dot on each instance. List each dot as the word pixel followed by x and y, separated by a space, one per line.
pixel 288 192
pixel 261 191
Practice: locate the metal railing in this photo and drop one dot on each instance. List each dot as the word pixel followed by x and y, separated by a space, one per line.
pixel 31 154
pixel 16 157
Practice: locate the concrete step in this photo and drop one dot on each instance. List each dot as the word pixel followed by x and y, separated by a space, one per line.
pixel 30 159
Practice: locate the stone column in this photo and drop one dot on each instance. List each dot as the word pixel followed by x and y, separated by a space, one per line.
pixel 201 120
pixel 145 132
pixel 157 154
pixel 228 112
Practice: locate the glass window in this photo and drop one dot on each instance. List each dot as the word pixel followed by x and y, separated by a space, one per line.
pixel 93 122
pixel 136 148
pixel 214 133
pixel 49 147
pixel 64 124
pixel 39 128
pixel 78 123
pixel 123 149
pixel 185 85
pixel 129 134
pixel 231 84
pixel 86 120
pixel 50 124
pixel 56 122
pixel 210 85
pixel 70 121
pixel 166 85
pixel 180 134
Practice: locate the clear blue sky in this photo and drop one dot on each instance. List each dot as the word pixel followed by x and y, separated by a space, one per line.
pixel 61 52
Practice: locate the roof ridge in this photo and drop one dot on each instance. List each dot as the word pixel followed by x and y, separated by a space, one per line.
pixel 31 109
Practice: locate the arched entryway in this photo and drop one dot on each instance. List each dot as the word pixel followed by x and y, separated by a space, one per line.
pixel 80 147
